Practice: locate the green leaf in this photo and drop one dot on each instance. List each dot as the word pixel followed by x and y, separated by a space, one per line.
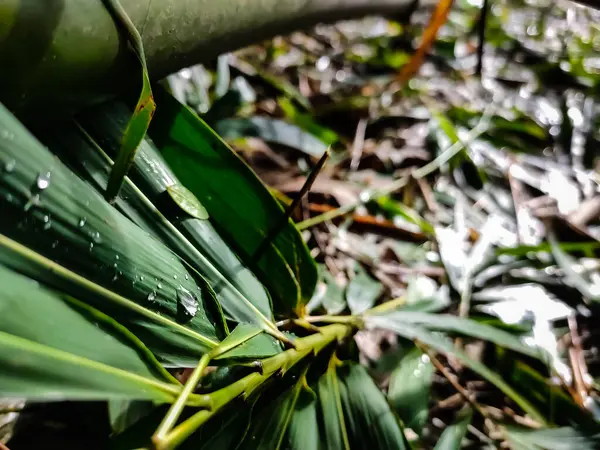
pixel 465 327
pixel 144 109
pixel 452 436
pixel 272 130
pixel 565 438
pixel 303 431
pixel 269 430
pixel 51 219
pixel 444 345
pixel 247 341
pixel 239 204
pixel 187 202
pixel 54 349
pixel 362 291
pixel 240 294
pixel 333 299
pixel 409 389
pixel 331 417
pixel 370 421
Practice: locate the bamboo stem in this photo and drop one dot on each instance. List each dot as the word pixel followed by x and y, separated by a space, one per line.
pixel 278 364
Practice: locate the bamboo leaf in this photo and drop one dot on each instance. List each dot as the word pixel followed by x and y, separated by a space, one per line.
pixel 239 204
pixel 452 436
pixel 369 419
pixel 247 341
pixel 409 389
pixel 51 218
pixel 53 349
pixel 303 432
pixel 144 109
pixel 465 327
pixel 444 345
pixel 331 416
pixel 238 291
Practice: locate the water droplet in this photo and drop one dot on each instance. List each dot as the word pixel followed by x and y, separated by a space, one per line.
pixel 151 296
pixel 9 165
pixel 174 277
pixel 186 276
pixel 141 277
pixel 91 246
pixel 159 286
pixel 187 304
pixel 43 181
pixel 96 237
pixel 82 222
pixel 117 257
pixel 54 244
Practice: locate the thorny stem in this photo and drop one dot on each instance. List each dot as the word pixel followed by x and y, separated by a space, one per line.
pixel 276 365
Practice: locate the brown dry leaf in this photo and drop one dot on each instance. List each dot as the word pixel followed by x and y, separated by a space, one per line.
pixel 438 18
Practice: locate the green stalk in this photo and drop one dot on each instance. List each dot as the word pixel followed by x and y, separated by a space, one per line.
pixel 75 53
pixel 277 364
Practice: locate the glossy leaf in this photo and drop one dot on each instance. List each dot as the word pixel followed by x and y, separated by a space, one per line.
pixel 239 205
pixel 452 436
pixel 144 109
pixel 272 130
pixel 51 218
pixel 240 294
pixel 409 389
pixel 55 349
pixel 247 341
pixel 370 421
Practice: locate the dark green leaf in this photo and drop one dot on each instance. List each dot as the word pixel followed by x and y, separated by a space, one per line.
pixel 303 432
pixel 55 349
pixel 238 203
pixel 125 272
pixel 370 421
pixel 409 389
pixel 331 417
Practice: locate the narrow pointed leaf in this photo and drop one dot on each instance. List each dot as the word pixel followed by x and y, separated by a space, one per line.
pixel 239 204
pixel 247 341
pixel 362 291
pixel 465 327
pixel 565 438
pixel 51 218
pixel 331 413
pixel 303 431
pixel 240 294
pixel 144 109
pixel 52 349
pixel 370 421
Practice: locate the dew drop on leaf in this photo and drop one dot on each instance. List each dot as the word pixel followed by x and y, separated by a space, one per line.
pixel 9 165
pixel 187 304
pixel 151 296
pixel 43 181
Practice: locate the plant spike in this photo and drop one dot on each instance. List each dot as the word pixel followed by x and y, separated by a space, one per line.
pixel 290 209
pixel 144 109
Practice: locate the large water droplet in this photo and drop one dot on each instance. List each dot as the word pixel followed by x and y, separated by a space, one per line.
pixel 43 181
pixel 159 286
pixel 187 304
pixel 151 296
pixel 81 222
pixel 10 165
